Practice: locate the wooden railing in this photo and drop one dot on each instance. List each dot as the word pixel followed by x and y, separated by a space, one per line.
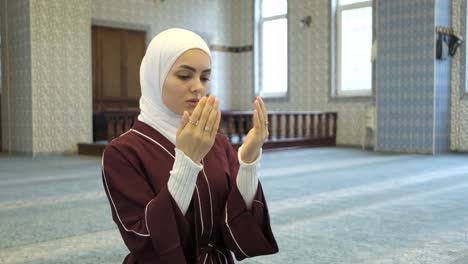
pixel 287 129
pixel 112 123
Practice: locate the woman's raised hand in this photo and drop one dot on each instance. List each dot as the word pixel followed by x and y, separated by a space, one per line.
pixel 197 132
pixel 257 135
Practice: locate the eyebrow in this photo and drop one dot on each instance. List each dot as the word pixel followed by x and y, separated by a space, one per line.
pixel 193 69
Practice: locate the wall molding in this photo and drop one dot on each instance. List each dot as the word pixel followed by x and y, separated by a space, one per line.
pixel 120 25
pixel 232 49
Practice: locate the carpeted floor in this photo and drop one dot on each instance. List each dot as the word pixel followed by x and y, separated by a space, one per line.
pixel 328 205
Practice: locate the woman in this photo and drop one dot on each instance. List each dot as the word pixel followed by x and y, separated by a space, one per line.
pixel 178 191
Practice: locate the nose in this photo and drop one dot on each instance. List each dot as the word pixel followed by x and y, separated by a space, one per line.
pixel 197 86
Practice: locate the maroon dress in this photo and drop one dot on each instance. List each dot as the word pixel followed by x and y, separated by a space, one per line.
pixel 136 169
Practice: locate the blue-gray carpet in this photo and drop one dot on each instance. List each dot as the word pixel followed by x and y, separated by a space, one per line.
pixel 327 205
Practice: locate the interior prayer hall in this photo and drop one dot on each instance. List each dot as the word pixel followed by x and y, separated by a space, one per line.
pixel 366 158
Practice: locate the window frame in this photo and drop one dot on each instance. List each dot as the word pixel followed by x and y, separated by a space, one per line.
pixel 337 92
pixel 258 40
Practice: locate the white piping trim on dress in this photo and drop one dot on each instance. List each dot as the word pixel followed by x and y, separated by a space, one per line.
pixel 138 132
pixel 211 202
pixel 259 202
pixel 120 135
pixel 146 221
pixel 199 206
pixel 157 143
pixel 110 196
pixel 232 235
pixel 113 204
pixel 205 258
pixel 196 187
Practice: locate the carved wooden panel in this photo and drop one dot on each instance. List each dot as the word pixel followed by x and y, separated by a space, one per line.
pixel 117 54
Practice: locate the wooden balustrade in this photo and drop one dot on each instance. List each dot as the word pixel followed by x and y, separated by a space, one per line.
pixel 301 128
pixel 110 124
pixel 287 129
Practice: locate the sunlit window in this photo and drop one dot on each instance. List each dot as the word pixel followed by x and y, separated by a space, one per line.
pixel 354 47
pixel 271 49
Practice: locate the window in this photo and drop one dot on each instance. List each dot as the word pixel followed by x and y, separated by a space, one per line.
pixel 354 47
pixel 271 48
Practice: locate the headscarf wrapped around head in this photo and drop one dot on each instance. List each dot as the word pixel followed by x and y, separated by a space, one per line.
pixel 162 52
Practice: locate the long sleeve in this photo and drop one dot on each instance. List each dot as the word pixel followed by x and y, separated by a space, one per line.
pixel 247 178
pixel 146 217
pixel 183 179
pixel 247 233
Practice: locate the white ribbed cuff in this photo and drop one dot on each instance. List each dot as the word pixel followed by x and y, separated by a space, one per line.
pixel 247 178
pixel 183 179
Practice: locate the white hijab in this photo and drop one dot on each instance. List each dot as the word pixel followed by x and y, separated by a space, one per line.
pixel 163 50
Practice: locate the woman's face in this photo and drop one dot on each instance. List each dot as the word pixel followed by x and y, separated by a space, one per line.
pixel 187 81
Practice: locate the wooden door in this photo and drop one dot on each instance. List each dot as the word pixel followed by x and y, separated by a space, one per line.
pixel 117 54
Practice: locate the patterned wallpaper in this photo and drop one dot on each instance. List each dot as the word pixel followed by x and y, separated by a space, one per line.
pixel 241 64
pixel 460 136
pixel 405 76
pixel 17 112
pixel 207 17
pixel 459 100
pixel 61 76
pixel 443 14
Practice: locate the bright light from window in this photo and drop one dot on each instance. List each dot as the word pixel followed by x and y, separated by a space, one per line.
pixel 274 57
pixel 356 39
pixel 274 7
pixel 271 48
pixel 347 2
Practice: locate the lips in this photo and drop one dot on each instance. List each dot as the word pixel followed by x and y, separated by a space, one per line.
pixel 192 103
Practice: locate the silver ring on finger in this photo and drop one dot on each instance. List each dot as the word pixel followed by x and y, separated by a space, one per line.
pixel 208 129
pixel 266 124
pixel 195 123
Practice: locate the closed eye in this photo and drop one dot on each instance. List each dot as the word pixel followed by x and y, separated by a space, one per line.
pixel 184 77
